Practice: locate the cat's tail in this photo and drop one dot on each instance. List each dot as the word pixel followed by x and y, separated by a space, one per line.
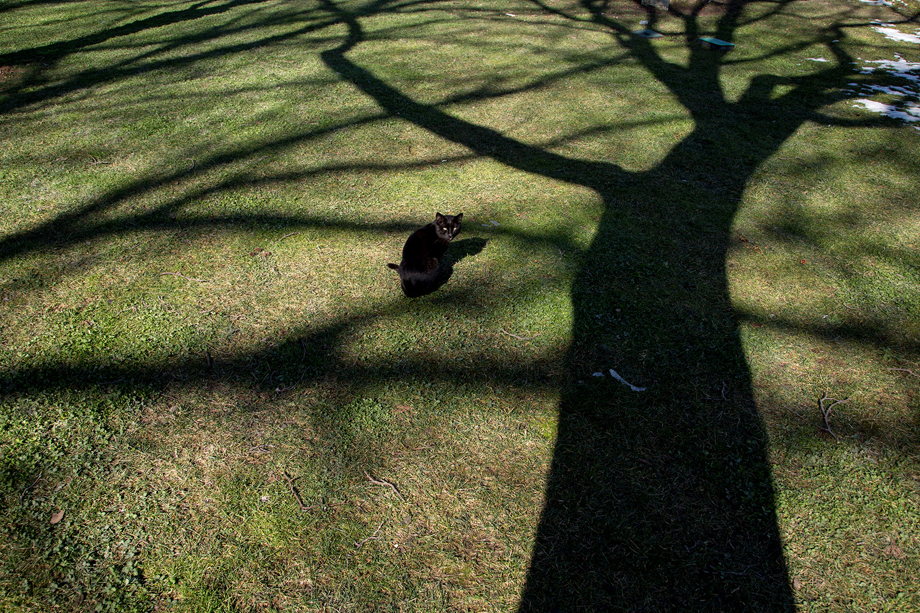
pixel 393 266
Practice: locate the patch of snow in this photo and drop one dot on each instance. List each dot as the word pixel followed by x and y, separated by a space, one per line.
pixel 910 113
pixel 876 2
pixel 817 59
pixel 897 35
pixel 900 102
pixel 898 68
pixel 891 91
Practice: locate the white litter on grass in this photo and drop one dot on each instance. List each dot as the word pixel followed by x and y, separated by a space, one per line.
pixel 817 59
pixel 897 35
pixel 876 2
pixel 614 374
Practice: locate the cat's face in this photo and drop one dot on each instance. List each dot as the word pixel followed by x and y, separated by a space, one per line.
pixel 448 226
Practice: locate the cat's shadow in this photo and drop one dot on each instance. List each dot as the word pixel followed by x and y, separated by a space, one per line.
pixel 458 250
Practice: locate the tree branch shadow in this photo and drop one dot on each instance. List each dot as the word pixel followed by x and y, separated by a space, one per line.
pixel 657 500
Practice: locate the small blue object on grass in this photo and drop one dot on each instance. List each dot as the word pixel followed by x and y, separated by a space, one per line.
pixel 716 44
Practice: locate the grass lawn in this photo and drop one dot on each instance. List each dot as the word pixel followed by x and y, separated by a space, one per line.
pixel 675 366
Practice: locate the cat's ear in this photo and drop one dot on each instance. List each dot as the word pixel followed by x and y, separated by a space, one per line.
pixel 438 216
pixel 460 217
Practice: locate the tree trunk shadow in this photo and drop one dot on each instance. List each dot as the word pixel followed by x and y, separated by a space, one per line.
pixel 658 499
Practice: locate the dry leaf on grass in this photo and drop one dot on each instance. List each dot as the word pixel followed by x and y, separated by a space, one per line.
pixel 893 551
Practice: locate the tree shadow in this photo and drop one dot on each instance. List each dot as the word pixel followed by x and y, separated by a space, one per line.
pixel 658 499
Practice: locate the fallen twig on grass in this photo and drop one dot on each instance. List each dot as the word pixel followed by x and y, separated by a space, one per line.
pixel 28 487
pixel 799 415
pixel 907 370
pixel 177 274
pixel 373 537
pixel 385 484
pixel 826 412
pixel 300 503
pixel 520 338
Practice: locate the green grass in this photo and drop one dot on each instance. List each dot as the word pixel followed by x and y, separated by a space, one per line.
pixel 214 396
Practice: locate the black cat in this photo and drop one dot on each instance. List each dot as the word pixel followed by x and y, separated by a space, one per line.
pixel 420 266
